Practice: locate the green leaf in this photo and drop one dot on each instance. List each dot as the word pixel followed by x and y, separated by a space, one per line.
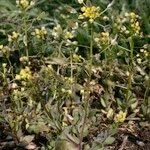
pixel 72 138
pixel 134 105
pixel 38 127
pixel 65 145
pixel 103 102
pixel 25 40
pixel 7 4
pixel 96 146
pixel 109 140
pixel 27 139
pixel 119 102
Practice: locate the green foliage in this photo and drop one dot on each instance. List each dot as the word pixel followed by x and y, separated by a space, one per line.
pixel 66 69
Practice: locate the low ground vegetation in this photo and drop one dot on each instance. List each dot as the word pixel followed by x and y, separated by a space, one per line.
pixel 74 75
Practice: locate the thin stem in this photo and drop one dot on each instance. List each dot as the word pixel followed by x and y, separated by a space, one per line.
pixel 105 49
pixel 58 69
pixel 91 54
pixel 26 35
pixel 84 120
pixel 87 94
pixel 108 7
pixel 11 67
pixel 59 49
pixel 146 101
pixel 129 87
pixel 71 65
pixel 124 48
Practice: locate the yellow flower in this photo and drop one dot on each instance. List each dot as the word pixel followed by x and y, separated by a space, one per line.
pixel 91 13
pixel 146 53
pixel 40 33
pixel 13 37
pixel 103 38
pixel 25 74
pixel 5 50
pixel 69 92
pixel 57 31
pixel 23 59
pixel 135 25
pixel 68 35
pixel 82 91
pixel 120 117
pixel 63 90
pixel 43 30
pixel 1 46
pixel 24 3
pixel 77 58
pixel 18 77
pixel 139 60
pixel 133 16
pixel 4 65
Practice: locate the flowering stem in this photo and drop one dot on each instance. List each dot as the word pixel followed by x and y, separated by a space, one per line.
pixel 26 35
pixel 130 68
pixel 71 65
pixel 91 48
pixel 12 74
pixel 146 99
pixel 91 56
pixel 87 95
pixel 58 69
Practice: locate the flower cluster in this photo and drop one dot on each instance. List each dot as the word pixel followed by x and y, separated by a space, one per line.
pixel 68 92
pixel 13 37
pixel 102 39
pixel 40 33
pixel 5 50
pixel 143 54
pixel 135 25
pixel 69 80
pixel 128 24
pixel 89 12
pixel 16 94
pixel 119 25
pixel 1 47
pixel 23 4
pixel 120 117
pixel 25 74
pixel 68 35
pixel 23 59
pixel 77 58
pixel 57 31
